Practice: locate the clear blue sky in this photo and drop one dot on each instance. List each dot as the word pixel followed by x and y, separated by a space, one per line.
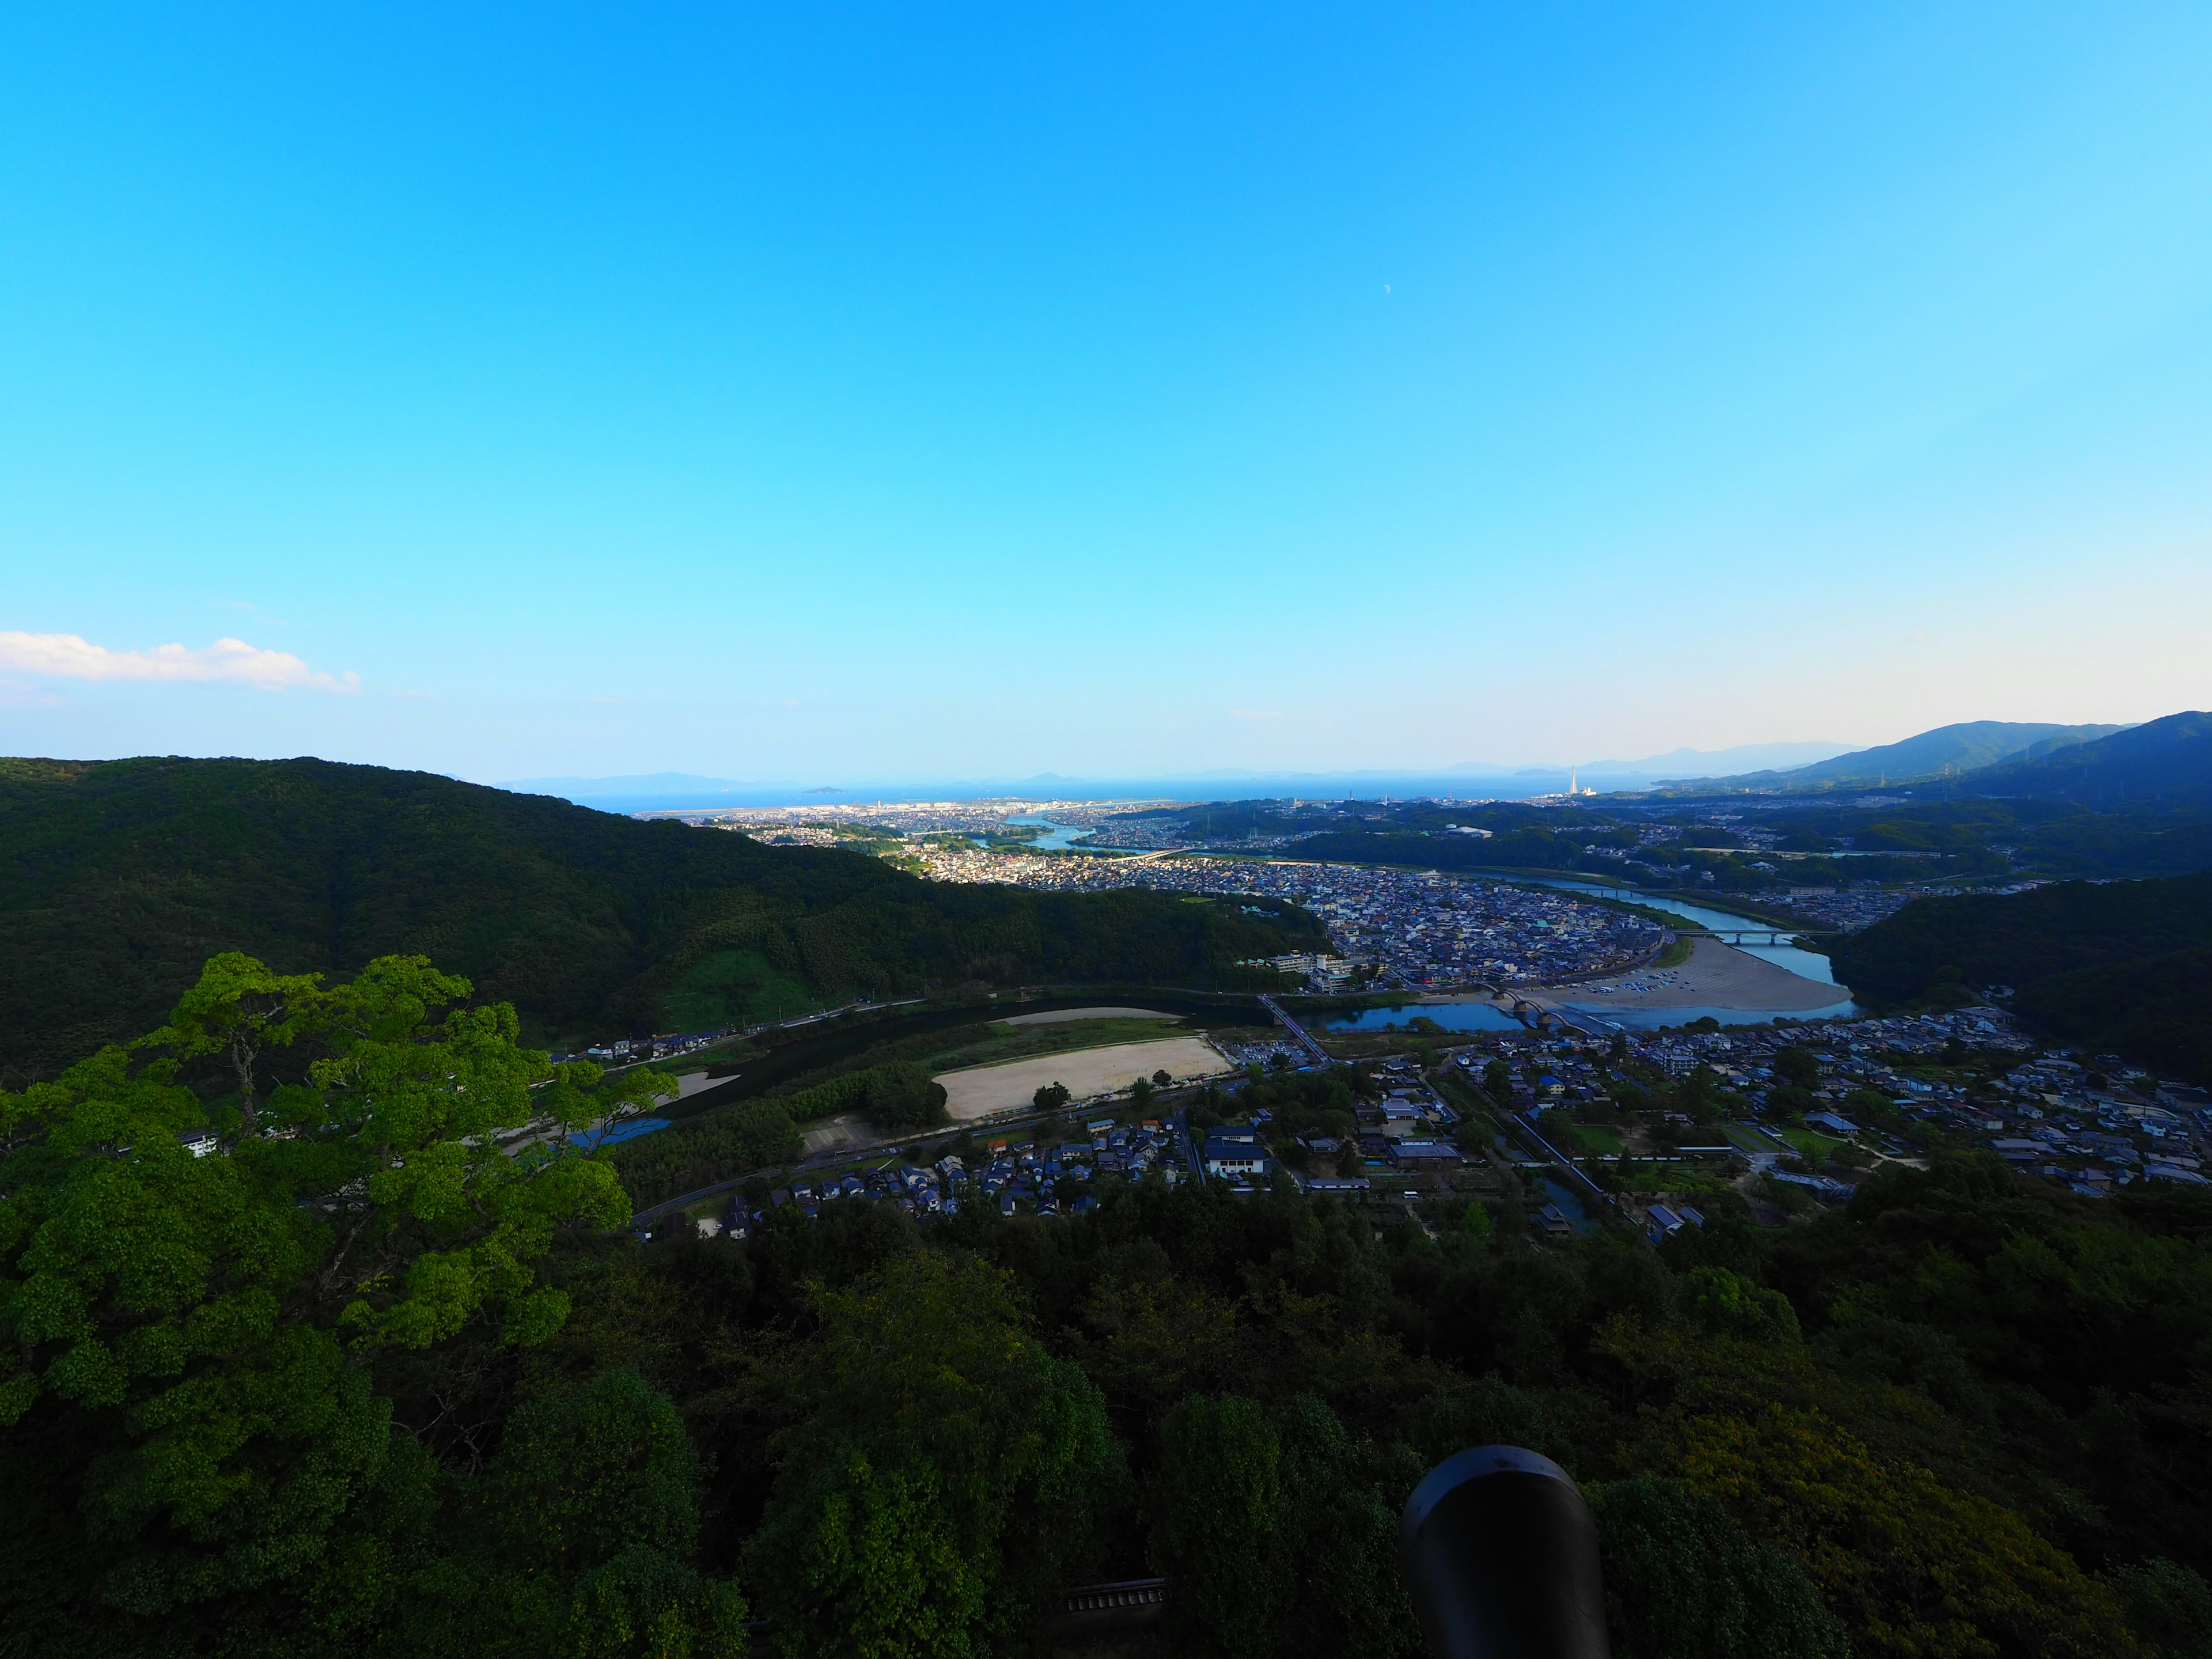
pixel 833 392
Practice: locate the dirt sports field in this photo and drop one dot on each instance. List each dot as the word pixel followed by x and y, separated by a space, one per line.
pixel 981 1090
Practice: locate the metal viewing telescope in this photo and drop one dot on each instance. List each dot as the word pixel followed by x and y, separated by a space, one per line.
pixel 1500 1553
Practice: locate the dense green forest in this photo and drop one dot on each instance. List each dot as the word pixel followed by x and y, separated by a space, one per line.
pixel 2125 965
pixel 117 879
pixel 359 1383
pixel 1982 835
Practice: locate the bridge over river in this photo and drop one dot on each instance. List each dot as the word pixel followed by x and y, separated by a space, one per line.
pixel 1761 935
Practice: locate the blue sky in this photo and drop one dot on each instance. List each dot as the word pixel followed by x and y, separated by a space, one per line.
pixel 838 392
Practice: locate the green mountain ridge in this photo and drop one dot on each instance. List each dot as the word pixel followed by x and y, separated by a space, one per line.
pixel 2165 761
pixel 119 878
pixel 1945 752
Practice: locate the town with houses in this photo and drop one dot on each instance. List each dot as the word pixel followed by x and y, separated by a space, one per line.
pixel 1539 1115
pixel 1412 928
pixel 1396 927
pixel 1788 1114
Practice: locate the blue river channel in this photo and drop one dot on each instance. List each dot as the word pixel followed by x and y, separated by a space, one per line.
pixel 1058 838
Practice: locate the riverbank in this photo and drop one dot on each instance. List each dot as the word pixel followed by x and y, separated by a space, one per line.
pixel 1714 975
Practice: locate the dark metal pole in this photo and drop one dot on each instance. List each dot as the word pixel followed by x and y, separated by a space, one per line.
pixel 1500 1553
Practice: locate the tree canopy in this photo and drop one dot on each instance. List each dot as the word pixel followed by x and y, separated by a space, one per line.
pixel 202 1322
pixel 326 1334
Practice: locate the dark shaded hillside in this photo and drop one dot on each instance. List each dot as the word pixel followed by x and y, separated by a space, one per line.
pixel 2124 964
pixel 2134 842
pixel 2157 1010
pixel 2165 761
pixel 117 879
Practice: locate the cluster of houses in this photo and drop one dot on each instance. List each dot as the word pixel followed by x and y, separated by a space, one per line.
pixel 634 1051
pixel 2080 1120
pixel 2086 1124
pixel 1014 1179
pixel 1404 1133
pixel 1416 930
pixel 1407 1132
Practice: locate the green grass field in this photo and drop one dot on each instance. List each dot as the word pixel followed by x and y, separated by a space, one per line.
pixel 1598 1137
pixel 1686 1183
pixel 1810 1143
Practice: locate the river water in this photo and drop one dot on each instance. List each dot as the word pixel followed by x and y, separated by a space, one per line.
pixel 1806 964
pixel 1469 1016
pixel 1057 838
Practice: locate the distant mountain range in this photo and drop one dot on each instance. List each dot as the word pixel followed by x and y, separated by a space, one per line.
pixel 675 791
pixel 1715 763
pixel 2092 765
pixel 2166 761
pixel 1946 751
pixel 621 794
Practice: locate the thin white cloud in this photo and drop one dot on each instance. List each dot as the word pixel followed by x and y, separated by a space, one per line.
pixel 70 657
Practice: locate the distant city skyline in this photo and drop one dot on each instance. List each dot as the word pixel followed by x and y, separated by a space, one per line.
pixel 869 391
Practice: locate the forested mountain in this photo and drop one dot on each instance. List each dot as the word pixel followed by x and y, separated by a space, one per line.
pixel 2167 761
pixel 119 878
pixel 1945 751
pixel 2123 964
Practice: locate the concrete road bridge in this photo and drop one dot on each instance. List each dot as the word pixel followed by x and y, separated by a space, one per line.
pixel 1761 935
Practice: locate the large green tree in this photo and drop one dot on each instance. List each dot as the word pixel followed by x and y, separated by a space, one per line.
pixel 196 1322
